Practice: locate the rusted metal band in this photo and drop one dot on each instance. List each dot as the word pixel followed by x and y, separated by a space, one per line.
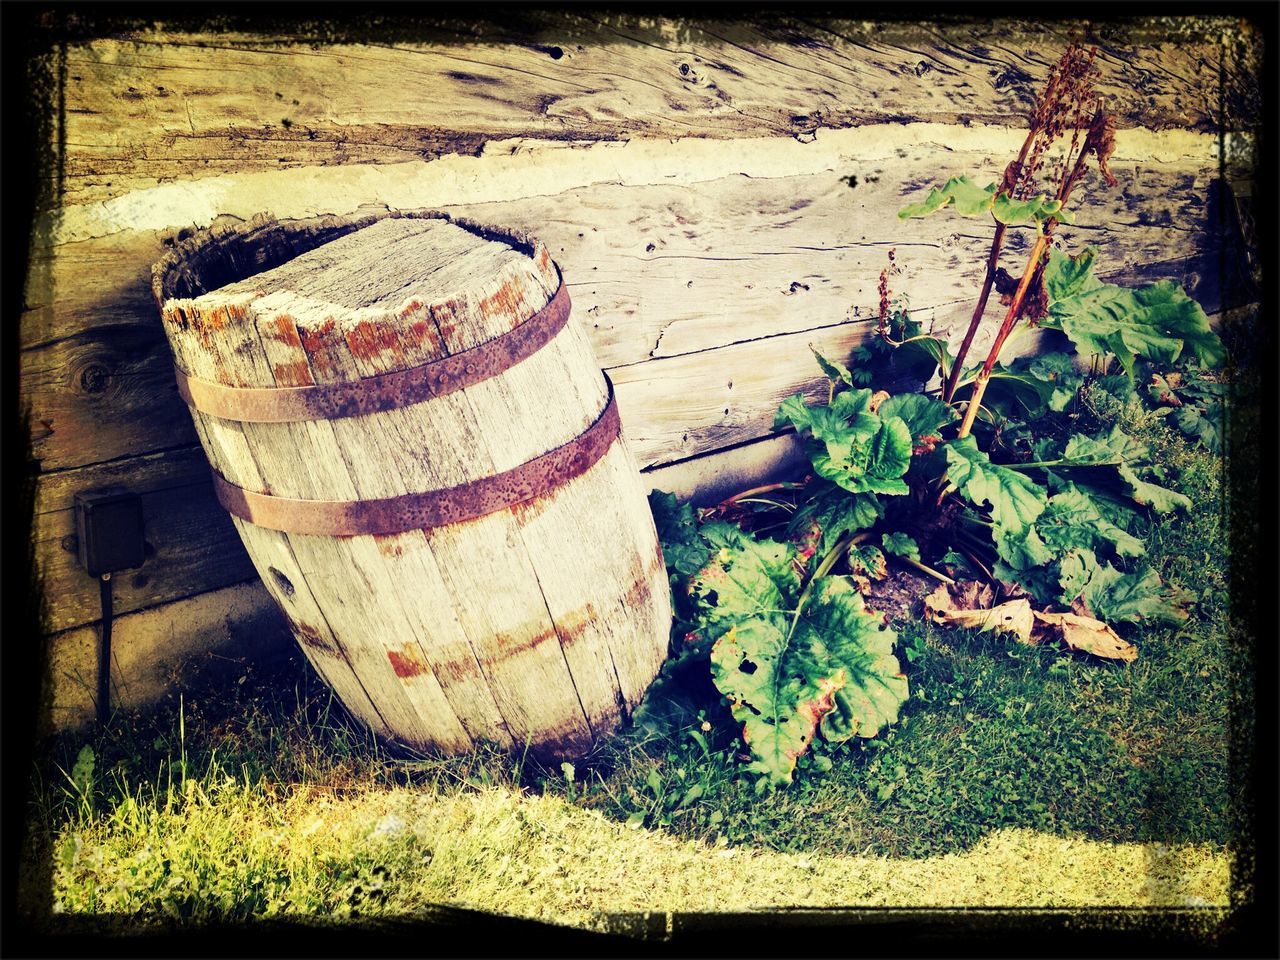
pixel 432 508
pixel 387 391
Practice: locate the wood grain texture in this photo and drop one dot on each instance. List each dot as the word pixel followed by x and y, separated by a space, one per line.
pixel 158 652
pixel 663 271
pixel 732 260
pixel 155 106
pixel 540 625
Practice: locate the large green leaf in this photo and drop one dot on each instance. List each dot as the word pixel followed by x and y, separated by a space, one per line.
pixel 1118 597
pixel 1023 549
pixel 1039 208
pixel 784 674
pixel 970 200
pixel 1014 499
pixel 1158 498
pixel 1058 371
pixel 1011 393
pixel 924 416
pixel 1109 463
pixel 1157 322
pixel 1072 520
pixel 1197 404
pixel 836 372
pixel 849 445
pixel 836 512
pixel 1200 423
pixel 744 576
pixel 1110 594
pixel 1107 449
pixel 906 355
pixel 963 194
pixel 901 545
pixel 1056 558
pixel 683 549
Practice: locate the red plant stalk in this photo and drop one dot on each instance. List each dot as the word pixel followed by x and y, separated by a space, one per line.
pixel 1017 177
pixel 979 311
pixel 1010 321
pixel 1100 142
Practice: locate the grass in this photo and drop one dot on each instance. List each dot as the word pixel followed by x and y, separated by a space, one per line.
pixel 1018 776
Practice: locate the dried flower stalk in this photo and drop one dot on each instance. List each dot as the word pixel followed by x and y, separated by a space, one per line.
pixel 1068 94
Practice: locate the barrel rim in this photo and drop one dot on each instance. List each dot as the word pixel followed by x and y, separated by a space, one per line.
pixel 386 391
pixel 173 279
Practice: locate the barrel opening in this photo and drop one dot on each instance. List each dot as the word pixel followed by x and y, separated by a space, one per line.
pixel 232 250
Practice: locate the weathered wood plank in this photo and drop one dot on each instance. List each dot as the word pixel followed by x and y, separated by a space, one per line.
pixel 712 477
pixel 520 168
pixel 68 429
pixel 688 405
pixel 732 260
pixel 157 651
pixel 661 271
pixel 771 212
pixel 106 393
pixel 191 544
pixel 160 106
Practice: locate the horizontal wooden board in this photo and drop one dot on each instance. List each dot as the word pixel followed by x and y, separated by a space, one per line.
pixel 219 635
pixel 191 545
pixel 681 407
pixel 106 393
pixel 715 476
pixel 838 211
pixel 732 260
pixel 662 271
pixel 157 106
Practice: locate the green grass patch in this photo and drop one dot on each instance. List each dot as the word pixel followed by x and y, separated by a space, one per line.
pixel 1017 776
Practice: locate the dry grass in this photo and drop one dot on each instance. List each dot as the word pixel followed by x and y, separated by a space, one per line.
pixel 220 851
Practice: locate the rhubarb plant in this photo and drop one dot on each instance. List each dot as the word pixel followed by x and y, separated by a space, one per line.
pixel 990 481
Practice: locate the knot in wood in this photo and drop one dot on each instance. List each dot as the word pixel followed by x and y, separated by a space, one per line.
pixel 94 378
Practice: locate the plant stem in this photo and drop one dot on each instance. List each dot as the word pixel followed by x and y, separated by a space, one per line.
pixel 929 570
pixel 1011 318
pixel 979 310
pixel 824 568
pixel 993 261
pixel 756 491
pixel 942 494
pixel 968 555
pixel 776 504
pixel 1060 463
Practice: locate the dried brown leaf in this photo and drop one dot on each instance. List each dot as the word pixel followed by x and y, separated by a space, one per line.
pixel 1013 617
pixel 1102 141
pixel 1084 634
pixel 968 604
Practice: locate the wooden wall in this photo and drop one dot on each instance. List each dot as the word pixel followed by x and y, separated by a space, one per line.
pixel 720 196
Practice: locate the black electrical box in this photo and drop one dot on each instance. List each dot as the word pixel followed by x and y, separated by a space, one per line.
pixel 109 531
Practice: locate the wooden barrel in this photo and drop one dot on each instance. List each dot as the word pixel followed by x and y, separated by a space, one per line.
pixel 473 558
